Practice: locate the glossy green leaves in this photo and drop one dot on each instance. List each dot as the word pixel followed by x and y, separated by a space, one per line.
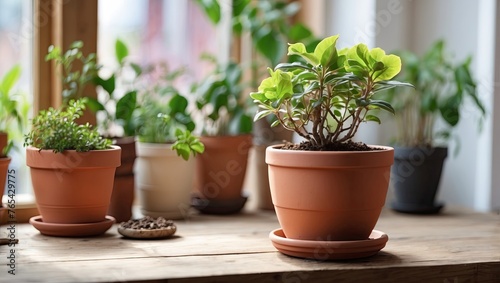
pixel 327 93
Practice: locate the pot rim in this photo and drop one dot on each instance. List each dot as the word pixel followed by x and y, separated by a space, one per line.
pixel 329 159
pixel 70 159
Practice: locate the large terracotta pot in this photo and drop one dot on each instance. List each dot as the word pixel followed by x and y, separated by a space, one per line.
pixel 164 181
pixel 220 170
pixel 122 198
pixel 328 195
pixel 73 187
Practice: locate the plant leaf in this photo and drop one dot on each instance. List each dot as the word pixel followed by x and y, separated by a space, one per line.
pixel 121 51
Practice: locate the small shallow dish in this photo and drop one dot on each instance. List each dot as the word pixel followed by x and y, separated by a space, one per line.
pixel 72 230
pixel 147 233
pixel 329 250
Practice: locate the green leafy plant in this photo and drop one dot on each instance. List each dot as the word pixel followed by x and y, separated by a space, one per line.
pixel 14 108
pixel 220 102
pixel 163 118
pixel 267 22
pixel 119 99
pixel 77 70
pixel 325 97
pixel 57 130
pixel 441 88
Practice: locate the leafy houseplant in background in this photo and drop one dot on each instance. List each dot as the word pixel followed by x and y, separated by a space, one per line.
pixel 72 171
pixel 164 178
pixel 328 188
pixel 226 134
pixel 441 89
pixel 13 113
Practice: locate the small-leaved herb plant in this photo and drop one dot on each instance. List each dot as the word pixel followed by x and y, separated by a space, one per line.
pixel 327 95
pixel 57 130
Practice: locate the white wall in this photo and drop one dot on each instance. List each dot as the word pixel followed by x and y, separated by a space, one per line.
pixel 468 27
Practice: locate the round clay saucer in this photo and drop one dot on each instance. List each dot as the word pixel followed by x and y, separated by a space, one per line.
pixel 147 233
pixel 72 230
pixel 208 206
pixel 329 250
pixel 416 209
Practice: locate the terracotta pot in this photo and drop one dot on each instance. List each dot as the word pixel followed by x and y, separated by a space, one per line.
pixel 4 165
pixel 164 181
pixel 122 198
pixel 73 187
pixel 220 170
pixel 328 195
pixel 3 143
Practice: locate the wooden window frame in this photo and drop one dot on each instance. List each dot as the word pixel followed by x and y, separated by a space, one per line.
pixel 60 22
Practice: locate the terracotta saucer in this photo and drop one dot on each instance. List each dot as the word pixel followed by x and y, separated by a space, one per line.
pixel 72 230
pixel 329 250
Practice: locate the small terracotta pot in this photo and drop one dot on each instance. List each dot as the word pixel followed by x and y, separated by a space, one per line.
pixel 73 187
pixel 328 196
pixel 122 198
pixel 4 165
pixel 220 170
pixel 164 181
pixel 3 143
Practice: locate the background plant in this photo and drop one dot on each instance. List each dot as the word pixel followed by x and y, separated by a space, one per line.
pixel 220 101
pixel 441 89
pixel 77 70
pixel 163 116
pixel 325 97
pixel 118 98
pixel 14 108
pixel 57 129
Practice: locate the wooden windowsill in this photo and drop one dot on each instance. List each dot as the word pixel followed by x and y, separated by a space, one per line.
pixel 456 246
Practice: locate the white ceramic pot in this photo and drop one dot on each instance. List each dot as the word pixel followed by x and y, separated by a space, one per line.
pixel 164 181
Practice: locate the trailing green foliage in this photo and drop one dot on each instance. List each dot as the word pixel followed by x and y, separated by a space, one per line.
pixel 14 108
pixel 221 103
pixel 441 89
pixel 326 95
pixel 57 130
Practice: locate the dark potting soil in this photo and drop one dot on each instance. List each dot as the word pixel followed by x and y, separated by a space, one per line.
pixel 147 222
pixel 339 146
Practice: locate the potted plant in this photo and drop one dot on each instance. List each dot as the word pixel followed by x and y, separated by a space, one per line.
pixel 13 110
pixel 114 108
pixel 164 167
pixel 425 119
pixel 328 187
pixel 117 100
pixel 226 134
pixel 72 170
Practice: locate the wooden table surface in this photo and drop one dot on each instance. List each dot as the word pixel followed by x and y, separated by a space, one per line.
pixel 455 246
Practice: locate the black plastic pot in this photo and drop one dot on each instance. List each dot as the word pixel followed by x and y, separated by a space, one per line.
pixel 415 178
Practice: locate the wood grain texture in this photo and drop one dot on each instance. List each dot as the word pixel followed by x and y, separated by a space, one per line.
pixel 456 246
